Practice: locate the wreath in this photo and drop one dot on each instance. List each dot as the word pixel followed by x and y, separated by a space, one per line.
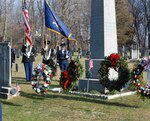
pixel 137 76
pixel 119 64
pixel 70 76
pixel 45 71
pixel 53 66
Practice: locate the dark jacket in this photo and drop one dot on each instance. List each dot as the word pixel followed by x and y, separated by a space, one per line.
pixel 61 56
pixel 25 58
pixel 12 55
pixel 43 53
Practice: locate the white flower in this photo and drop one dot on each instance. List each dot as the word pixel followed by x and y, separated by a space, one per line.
pixel 38 90
pixel 50 71
pixel 32 83
pixel 46 85
pixel 46 72
pixel 33 73
pixel 47 78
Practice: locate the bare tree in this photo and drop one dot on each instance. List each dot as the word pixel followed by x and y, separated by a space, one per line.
pixel 5 23
pixel 141 14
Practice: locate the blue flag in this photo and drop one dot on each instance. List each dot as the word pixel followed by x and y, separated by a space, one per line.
pixel 54 23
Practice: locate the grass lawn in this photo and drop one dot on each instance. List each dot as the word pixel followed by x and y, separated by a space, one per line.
pixel 30 106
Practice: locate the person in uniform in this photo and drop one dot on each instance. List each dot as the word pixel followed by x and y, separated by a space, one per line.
pixel 12 56
pixel 62 57
pixel 27 60
pixel 48 57
pixel 46 53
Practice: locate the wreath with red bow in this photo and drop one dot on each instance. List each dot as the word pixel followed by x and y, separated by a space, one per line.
pixel 70 76
pixel 119 64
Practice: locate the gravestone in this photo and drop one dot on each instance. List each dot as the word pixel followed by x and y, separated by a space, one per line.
pixel 6 91
pixel 103 40
pixel 135 51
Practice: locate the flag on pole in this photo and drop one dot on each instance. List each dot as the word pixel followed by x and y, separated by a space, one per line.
pixel 28 33
pixel 91 64
pixel 54 23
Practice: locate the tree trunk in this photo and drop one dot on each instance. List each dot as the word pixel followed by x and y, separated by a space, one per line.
pixel 148 34
pixel 5 23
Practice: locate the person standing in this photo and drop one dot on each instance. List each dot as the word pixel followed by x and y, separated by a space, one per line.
pixel 48 57
pixel 12 56
pixel 46 53
pixel 27 60
pixel 62 57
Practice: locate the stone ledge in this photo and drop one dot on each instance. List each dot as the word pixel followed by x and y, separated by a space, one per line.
pixel 8 96
pixel 102 95
pixel 8 92
pixel 58 89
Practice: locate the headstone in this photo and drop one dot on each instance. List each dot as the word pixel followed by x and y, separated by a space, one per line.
pixel 5 71
pixel 5 64
pixel 135 51
pixel 103 40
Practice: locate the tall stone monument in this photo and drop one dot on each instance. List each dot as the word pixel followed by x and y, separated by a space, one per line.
pixel 103 39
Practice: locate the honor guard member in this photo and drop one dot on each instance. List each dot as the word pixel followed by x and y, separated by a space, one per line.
pixel 27 60
pixel 47 53
pixel 62 57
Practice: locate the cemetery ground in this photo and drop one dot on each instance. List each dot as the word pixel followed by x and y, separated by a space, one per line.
pixel 30 106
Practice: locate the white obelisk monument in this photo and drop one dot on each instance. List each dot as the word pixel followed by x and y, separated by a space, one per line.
pixel 103 39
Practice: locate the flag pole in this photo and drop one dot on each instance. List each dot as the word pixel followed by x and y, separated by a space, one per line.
pixel 89 73
pixel 68 44
pixel 88 80
pixel 23 30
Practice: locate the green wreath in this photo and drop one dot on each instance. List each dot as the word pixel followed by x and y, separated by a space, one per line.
pixel 70 76
pixel 119 64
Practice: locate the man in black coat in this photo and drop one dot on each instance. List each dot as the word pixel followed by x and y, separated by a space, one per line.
pixel 12 56
pixel 28 59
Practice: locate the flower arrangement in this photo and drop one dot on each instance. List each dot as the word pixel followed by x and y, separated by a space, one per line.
pixel 119 64
pixel 70 76
pixel 45 71
pixel 137 76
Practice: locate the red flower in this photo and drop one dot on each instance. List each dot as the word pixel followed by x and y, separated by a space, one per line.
pixel 32 78
pixel 51 75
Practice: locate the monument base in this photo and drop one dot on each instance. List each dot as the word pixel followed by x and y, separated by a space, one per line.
pixel 58 90
pixel 91 85
pixel 8 92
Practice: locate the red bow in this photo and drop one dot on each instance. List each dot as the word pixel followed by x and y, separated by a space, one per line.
pixel 66 81
pixel 65 74
pixel 114 58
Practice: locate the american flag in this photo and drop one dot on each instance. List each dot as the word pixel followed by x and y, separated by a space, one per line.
pixel 90 64
pixel 28 33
